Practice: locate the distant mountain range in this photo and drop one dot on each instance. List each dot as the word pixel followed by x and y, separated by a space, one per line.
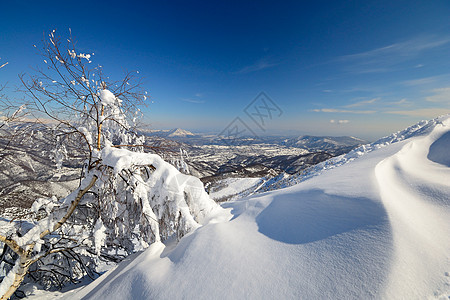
pixel 334 145
pixel 308 142
pixel 28 172
pixel 323 141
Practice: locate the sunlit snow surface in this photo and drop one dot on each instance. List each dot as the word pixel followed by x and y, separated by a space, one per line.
pixel 234 187
pixel 376 227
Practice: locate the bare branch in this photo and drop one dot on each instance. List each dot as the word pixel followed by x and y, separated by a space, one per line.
pixel 71 209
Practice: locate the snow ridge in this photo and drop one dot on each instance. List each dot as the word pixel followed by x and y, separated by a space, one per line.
pixel 417 216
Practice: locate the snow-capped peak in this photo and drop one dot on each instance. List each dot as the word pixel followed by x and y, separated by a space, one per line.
pixel 178 132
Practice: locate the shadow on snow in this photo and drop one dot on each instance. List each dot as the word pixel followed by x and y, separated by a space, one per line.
pixel 313 215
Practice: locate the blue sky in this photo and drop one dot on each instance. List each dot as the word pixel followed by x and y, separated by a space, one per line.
pixel 363 68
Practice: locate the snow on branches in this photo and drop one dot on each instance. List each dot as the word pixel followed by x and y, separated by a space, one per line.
pixel 127 202
pixel 145 199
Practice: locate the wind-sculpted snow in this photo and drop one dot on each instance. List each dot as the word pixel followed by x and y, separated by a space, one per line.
pixel 439 151
pixel 323 216
pixel 419 217
pixel 375 228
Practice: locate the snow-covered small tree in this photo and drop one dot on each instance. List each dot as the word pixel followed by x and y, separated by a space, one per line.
pixel 126 199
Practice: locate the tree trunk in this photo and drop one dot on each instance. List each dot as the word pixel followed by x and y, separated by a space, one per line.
pixel 24 265
pixel 25 259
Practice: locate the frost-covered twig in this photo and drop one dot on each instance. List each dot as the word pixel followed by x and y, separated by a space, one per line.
pixel 76 96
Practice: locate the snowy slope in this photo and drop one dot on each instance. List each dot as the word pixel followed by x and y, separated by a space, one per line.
pixel 230 188
pixel 375 227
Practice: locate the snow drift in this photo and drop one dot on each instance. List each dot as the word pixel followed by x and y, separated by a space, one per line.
pixel 375 227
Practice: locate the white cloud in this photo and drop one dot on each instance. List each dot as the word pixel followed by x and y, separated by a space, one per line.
pixel 193 101
pixel 258 66
pixel 384 59
pixel 336 110
pixel 421 81
pixel 440 95
pixel 403 49
pixel 403 101
pixel 423 112
pixel 339 121
pixel 363 102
